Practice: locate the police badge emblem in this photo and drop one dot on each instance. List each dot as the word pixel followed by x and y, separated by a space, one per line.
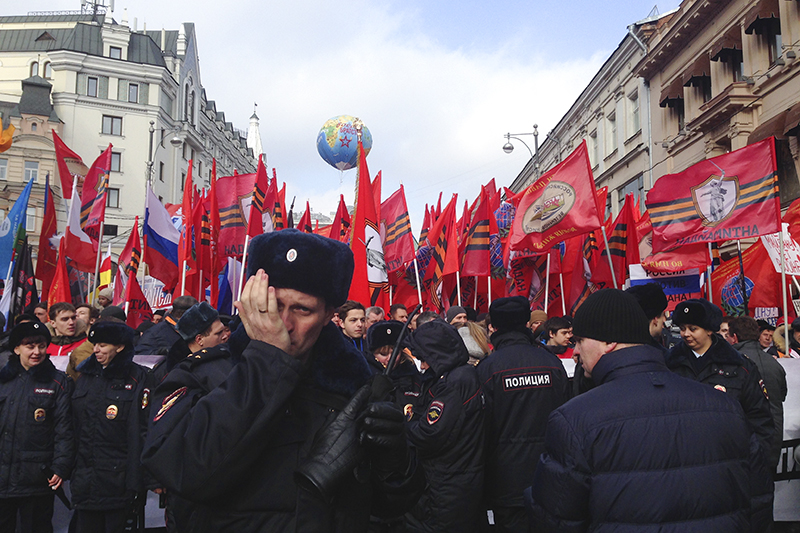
pixel 39 415
pixel 435 412
pixel 408 410
pixel 111 412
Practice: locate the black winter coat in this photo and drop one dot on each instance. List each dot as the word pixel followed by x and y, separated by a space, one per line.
pixel 35 427
pixel 110 408
pixel 646 450
pixel 449 437
pixel 158 339
pixel 727 370
pixel 234 450
pixel 522 383
pixel 775 380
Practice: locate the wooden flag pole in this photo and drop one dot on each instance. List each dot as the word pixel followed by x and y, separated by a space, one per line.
pixel 608 254
pixel 547 282
pixel 563 300
pixel 416 274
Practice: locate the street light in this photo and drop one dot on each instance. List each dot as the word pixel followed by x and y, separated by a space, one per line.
pixel 508 147
pixel 175 141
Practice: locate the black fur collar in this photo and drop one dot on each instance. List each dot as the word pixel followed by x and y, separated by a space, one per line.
pixel 117 368
pixel 44 372
pixel 335 365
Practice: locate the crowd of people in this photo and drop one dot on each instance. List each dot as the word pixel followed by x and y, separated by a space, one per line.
pixel 311 412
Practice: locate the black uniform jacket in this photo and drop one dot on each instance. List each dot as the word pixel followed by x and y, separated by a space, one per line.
pixel 35 427
pixel 522 383
pixel 109 408
pixel 158 339
pixel 648 451
pixel 449 437
pixel 234 450
pixel 727 370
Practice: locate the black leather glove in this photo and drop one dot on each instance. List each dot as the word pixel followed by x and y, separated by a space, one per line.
pixel 383 434
pixel 336 451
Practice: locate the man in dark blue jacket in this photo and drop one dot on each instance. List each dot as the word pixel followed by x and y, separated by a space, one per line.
pixel 645 449
pixel 522 383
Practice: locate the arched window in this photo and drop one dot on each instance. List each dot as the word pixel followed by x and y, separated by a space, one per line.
pixel 33 126
pixel 35 68
pixel 186 112
pixel 191 108
pixel 48 71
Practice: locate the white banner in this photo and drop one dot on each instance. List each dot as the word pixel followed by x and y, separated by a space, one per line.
pixel 791 251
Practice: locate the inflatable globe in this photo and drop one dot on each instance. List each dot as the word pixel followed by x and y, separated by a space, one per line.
pixel 732 299
pixel 337 142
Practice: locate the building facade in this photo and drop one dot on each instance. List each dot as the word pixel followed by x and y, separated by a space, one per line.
pixel 139 91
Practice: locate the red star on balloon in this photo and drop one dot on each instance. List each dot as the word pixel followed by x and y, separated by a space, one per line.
pixel 345 141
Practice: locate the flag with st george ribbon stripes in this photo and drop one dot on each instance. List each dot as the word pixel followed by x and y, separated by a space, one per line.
pixel 732 196
pixel 398 244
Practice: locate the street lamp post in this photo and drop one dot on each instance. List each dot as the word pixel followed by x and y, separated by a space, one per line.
pixel 175 142
pixel 508 147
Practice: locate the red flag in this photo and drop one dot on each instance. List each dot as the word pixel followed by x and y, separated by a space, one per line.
pixel 731 196
pixel 93 196
pixel 398 244
pixel 119 289
pixel 369 275
pixel 444 260
pixel 132 253
pixel 426 226
pixel 623 243
pixel 280 209
pixel 138 308
pixel 376 193
pixel 560 204
pixel 679 258
pixel 791 217
pixel 255 222
pixel 233 191
pixel 80 245
pixel 59 288
pixel 340 229
pixel 759 272
pixel 214 226
pixel 70 165
pixel 304 224
pixel 185 245
pixel 46 262
pixel 475 259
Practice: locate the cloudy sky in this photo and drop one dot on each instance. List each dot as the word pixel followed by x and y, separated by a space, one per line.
pixel 438 83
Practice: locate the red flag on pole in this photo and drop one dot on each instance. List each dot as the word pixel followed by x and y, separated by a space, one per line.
pixel 80 245
pixel 46 262
pixel 623 243
pixel 138 308
pixel 185 244
pixel 398 245
pixel 304 224
pixel 475 259
pixel 731 196
pixel 376 193
pixel 369 275
pixel 560 204
pixel 255 223
pixel 214 225
pixel 93 196
pixel 70 165
pixel 59 288
pixel 340 228
pixel 444 259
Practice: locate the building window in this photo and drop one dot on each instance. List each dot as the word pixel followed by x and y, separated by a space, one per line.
pixel 594 148
pixel 633 113
pixel 91 86
pixel 112 197
pixel 635 187
pixel 611 137
pixel 3 169
pixel 30 220
pixel 110 230
pixel 35 68
pixel 34 126
pixel 116 161
pixel 112 125
pixel 183 180
pixel 48 71
pixel 31 170
pixel 769 29
pixel 133 93
pixel 161 171
pixel 115 52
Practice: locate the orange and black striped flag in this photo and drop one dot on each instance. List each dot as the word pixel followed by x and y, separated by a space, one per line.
pixel 46 261
pixel 255 222
pixel 475 256
pixel 728 197
pixel 444 259
pixel 132 253
pixel 398 246
pixel 623 246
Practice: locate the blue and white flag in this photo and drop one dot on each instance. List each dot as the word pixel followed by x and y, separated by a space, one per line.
pixel 9 227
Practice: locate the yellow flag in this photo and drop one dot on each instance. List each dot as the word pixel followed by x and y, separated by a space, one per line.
pixel 5 137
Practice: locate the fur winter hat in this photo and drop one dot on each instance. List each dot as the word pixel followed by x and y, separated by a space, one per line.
pixel 196 320
pixel 383 333
pixel 113 332
pixel 26 330
pixel 304 262
pixel 510 313
pixel 651 298
pixel 698 312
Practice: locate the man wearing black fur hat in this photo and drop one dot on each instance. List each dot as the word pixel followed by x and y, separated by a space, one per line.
pixel 281 444
pixel 158 339
pixel 37 447
pixel 706 357
pixel 645 450
pixel 522 383
pixel 654 303
pixel 450 438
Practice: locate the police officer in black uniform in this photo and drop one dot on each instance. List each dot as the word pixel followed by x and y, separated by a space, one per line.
pixel 289 440
pixel 110 418
pixel 36 441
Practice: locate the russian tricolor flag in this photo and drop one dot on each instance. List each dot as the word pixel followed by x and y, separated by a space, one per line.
pixel 160 242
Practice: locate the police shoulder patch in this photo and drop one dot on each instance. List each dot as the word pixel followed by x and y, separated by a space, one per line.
pixel 763 388
pixel 168 402
pixel 435 411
